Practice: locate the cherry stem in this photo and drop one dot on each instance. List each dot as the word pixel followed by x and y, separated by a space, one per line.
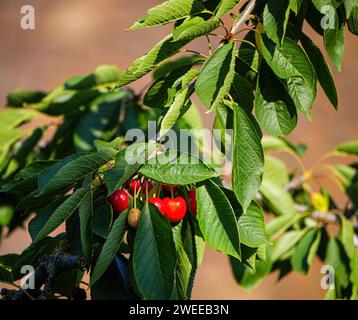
pixel 209 45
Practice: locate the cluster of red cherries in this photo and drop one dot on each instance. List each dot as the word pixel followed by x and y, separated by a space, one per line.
pixel 174 208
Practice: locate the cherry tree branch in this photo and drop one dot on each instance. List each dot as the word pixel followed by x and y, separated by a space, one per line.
pixel 245 14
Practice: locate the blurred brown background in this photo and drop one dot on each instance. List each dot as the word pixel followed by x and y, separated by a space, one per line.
pixel 73 37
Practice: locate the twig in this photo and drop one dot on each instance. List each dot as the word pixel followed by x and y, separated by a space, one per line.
pixel 18 287
pixel 245 14
pixel 209 45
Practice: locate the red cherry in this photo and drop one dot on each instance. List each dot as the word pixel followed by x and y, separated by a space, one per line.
pixel 146 185
pixel 169 187
pixel 192 201
pixel 158 203
pixel 174 209
pixel 134 187
pixel 119 200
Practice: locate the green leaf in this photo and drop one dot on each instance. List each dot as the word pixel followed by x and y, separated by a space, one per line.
pixel 157 95
pixel 63 212
pixel 242 93
pixel 348 176
pixel 248 58
pixel 6 214
pixel 334 41
pixel 350 6
pixel 292 67
pixel 117 144
pixel 299 260
pixel 187 261
pixel 346 236
pixel 286 242
pixel 37 223
pixel 103 75
pixel 295 5
pixel 85 211
pixel 282 223
pixel 168 11
pixel 68 101
pixel 217 219
pixel 321 68
pixel 100 121
pixel 173 168
pixel 216 76
pixel 7 138
pixel 349 147
pixel 275 170
pixel 354 273
pixel 193 117
pixel 252 227
pixel 125 167
pixel 163 50
pixel 194 28
pixel 179 106
pixel 225 7
pixel 67 172
pixel 111 285
pixel 275 18
pixel 248 158
pixel 19 97
pixel 279 200
pixel 110 247
pixel 249 278
pixel 171 67
pixel 274 144
pixel 223 122
pixel 10 118
pixel 102 219
pixel 7 263
pixel 337 258
pixel 275 110
pixel 154 256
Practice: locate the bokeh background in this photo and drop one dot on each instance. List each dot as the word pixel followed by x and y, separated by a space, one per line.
pixel 73 37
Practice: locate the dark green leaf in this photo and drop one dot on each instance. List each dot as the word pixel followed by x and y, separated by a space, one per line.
pixel 299 260
pixel 252 227
pixel 173 168
pixel 110 247
pixel 163 50
pixel 275 110
pixel 154 256
pixel 216 76
pixel 217 219
pixel 168 11
pixel 194 28
pixel 275 18
pixel 85 211
pixel 67 172
pixel 291 65
pixel 248 158
pixel 225 7
pixel 105 74
pixel 334 41
pixel 62 213
pixel 322 70
pixel 100 121
pixel 242 93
